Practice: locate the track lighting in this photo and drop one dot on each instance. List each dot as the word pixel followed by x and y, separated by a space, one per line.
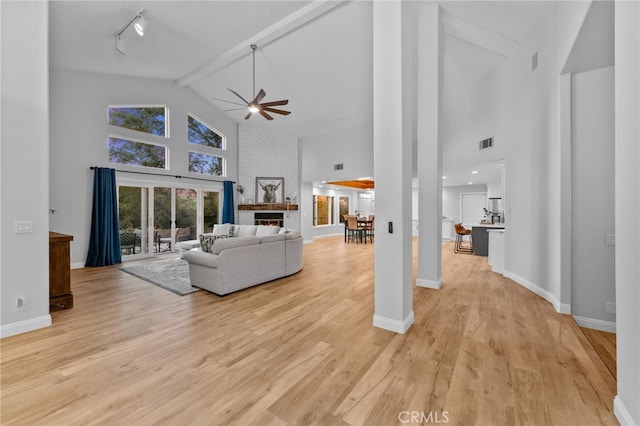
pixel 139 24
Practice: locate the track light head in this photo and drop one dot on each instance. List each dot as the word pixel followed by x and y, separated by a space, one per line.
pixel 140 24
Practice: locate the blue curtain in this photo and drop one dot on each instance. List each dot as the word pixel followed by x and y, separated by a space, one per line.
pixel 104 241
pixel 228 208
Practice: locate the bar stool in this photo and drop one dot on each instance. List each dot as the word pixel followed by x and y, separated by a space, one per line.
pixel 461 231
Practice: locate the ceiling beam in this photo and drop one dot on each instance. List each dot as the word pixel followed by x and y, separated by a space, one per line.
pixel 477 36
pixel 291 23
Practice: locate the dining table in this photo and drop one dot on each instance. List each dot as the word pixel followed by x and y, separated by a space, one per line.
pixel 363 224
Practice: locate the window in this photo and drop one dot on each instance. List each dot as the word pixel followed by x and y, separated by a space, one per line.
pixel 152 120
pixel 206 164
pixel 323 210
pixel 202 134
pixel 344 208
pixel 132 153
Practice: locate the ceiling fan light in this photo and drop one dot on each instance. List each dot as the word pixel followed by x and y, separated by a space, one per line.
pixel 140 25
pixel 253 108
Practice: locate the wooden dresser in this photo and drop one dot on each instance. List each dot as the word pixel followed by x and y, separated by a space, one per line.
pixel 60 296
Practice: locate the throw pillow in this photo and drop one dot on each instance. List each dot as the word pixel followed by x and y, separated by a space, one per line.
pixel 206 242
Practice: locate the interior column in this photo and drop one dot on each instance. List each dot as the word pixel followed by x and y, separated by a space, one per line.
pixel 392 170
pixel 430 63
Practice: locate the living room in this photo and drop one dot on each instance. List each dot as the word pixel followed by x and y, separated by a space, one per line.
pixel 66 138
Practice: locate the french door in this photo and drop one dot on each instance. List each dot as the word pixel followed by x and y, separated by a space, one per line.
pixel 153 218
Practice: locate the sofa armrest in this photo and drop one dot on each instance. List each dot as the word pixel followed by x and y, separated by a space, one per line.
pixel 201 258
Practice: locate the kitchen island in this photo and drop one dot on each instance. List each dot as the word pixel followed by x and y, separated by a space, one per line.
pixel 480 237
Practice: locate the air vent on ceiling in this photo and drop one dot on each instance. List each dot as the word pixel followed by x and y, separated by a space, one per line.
pixel 534 61
pixel 339 166
pixel 486 143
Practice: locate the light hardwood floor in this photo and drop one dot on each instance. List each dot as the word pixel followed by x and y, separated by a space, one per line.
pixel 302 350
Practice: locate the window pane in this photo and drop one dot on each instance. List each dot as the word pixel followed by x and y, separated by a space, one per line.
pixel 322 210
pixel 211 210
pixel 143 119
pixel 122 151
pixel 205 164
pixel 201 134
pixel 344 208
pixel 186 214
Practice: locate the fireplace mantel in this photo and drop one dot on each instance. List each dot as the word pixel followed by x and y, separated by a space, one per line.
pixel 268 207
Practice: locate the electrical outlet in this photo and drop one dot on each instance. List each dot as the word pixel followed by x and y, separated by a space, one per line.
pixel 21 304
pixel 609 307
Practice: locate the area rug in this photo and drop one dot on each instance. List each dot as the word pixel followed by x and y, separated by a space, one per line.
pixel 172 275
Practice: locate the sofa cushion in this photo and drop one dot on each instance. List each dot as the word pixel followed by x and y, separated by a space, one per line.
pixel 228 243
pixel 225 229
pixel 247 230
pixel 266 230
pixel 271 238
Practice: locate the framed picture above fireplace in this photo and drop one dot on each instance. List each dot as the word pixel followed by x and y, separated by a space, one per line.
pixel 269 190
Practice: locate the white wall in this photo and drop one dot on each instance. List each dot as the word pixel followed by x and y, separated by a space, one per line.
pixel 264 153
pixel 79 139
pixel 532 182
pixel 593 262
pixel 627 176
pixel 24 170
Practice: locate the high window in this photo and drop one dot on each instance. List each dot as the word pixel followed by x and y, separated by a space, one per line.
pixel 203 134
pixel 149 122
pixel 145 119
pixel 208 158
pixel 134 153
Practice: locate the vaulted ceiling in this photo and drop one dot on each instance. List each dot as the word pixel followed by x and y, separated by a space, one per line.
pixel 317 54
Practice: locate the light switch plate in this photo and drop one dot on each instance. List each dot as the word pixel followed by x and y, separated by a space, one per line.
pixel 23 226
pixel 610 239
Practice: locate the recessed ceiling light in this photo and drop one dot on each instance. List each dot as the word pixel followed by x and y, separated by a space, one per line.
pixel 470 183
pixel 444 177
pixel 475 172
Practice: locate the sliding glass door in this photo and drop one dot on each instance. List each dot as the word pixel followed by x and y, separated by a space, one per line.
pixel 154 218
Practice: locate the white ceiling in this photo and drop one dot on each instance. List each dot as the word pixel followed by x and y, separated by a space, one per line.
pixel 323 67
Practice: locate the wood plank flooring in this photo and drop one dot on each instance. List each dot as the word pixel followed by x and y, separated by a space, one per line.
pixel 302 351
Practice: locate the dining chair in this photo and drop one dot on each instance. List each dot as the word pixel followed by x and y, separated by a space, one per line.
pixel 370 227
pixel 353 230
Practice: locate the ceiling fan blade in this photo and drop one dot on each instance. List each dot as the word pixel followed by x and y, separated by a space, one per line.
pixel 265 115
pixel 236 93
pixel 260 96
pixel 231 102
pixel 277 111
pixel 275 103
pixel 248 116
pixel 235 109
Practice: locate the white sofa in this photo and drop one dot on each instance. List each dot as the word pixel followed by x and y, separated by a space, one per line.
pixel 253 256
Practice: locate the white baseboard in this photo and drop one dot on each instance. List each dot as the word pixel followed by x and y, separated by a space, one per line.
pixel 596 324
pixel 621 413
pixel 421 282
pixel 25 326
pixel 396 326
pixel 77 265
pixel 562 308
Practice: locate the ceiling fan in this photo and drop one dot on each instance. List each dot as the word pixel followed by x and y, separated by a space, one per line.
pixel 256 105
